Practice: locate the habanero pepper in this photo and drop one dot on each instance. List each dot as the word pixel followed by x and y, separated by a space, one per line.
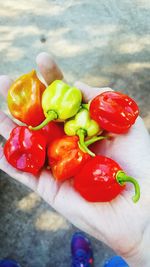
pixel 52 131
pixel 59 102
pixel 25 150
pixel 66 158
pixel 83 126
pixel 114 111
pixel 101 179
pixel 24 99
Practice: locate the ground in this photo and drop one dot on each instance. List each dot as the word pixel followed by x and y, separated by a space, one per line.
pixel 103 43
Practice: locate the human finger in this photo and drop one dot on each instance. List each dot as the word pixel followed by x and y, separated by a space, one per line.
pixel 5 83
pixel 90 92
pixel 6 125
pixel 48 68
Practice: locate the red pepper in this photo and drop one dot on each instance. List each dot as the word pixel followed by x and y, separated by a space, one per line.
pixel 25 150
pixel 101 179
pixel 52 131
pixel 66 158
pixel 114 111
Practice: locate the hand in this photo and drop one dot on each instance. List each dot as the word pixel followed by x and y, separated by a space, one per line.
pixel 121 224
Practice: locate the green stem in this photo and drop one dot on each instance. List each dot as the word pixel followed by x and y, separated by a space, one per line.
pixel 86 106
pixel 94 139
pixel 81 133
pixel 52 115
pixel 122 178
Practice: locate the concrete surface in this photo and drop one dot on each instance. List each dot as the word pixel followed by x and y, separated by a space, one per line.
pixel 103 43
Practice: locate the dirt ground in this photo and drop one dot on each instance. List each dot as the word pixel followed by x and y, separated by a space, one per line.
pixel 103 43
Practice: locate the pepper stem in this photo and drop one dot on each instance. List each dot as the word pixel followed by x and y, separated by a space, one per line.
pixel 86 106
pixel 94 139
pixel 81 133
pixel 122 178
pixel 52 115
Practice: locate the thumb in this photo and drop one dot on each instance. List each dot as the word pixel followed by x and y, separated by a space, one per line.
pixel 90 92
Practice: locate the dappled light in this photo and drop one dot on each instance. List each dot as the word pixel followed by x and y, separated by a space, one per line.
pixel 102 43
pixel 50 221
pixel 28 202
pixel 134 44
pixel 147 120
pixel 143 4
pixel 138 66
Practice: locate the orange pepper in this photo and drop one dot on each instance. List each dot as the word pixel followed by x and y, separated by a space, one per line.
pixel 24 99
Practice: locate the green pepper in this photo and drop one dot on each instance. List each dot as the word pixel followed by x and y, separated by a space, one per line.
pixel 59 102
pixel 83 126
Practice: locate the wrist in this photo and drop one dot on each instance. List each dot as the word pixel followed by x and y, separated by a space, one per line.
pixel 139 258
pixel 138 261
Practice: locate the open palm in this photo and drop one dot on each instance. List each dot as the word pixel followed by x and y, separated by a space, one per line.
pixel 121 224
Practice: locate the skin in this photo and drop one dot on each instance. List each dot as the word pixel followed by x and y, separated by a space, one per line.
pixel 121 224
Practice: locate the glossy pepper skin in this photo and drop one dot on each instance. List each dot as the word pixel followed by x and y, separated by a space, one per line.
pixel 24 99
pixel 114 111
pixel 25 150
pixel 83 126
pixel 59 102
pixel 101 180
pixel 65 157
pixel 52 131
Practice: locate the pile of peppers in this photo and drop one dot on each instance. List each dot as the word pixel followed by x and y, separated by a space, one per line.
pixel 58 130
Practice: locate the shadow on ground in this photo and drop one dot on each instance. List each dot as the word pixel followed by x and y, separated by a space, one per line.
pixel 33 233
pixel 103 43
